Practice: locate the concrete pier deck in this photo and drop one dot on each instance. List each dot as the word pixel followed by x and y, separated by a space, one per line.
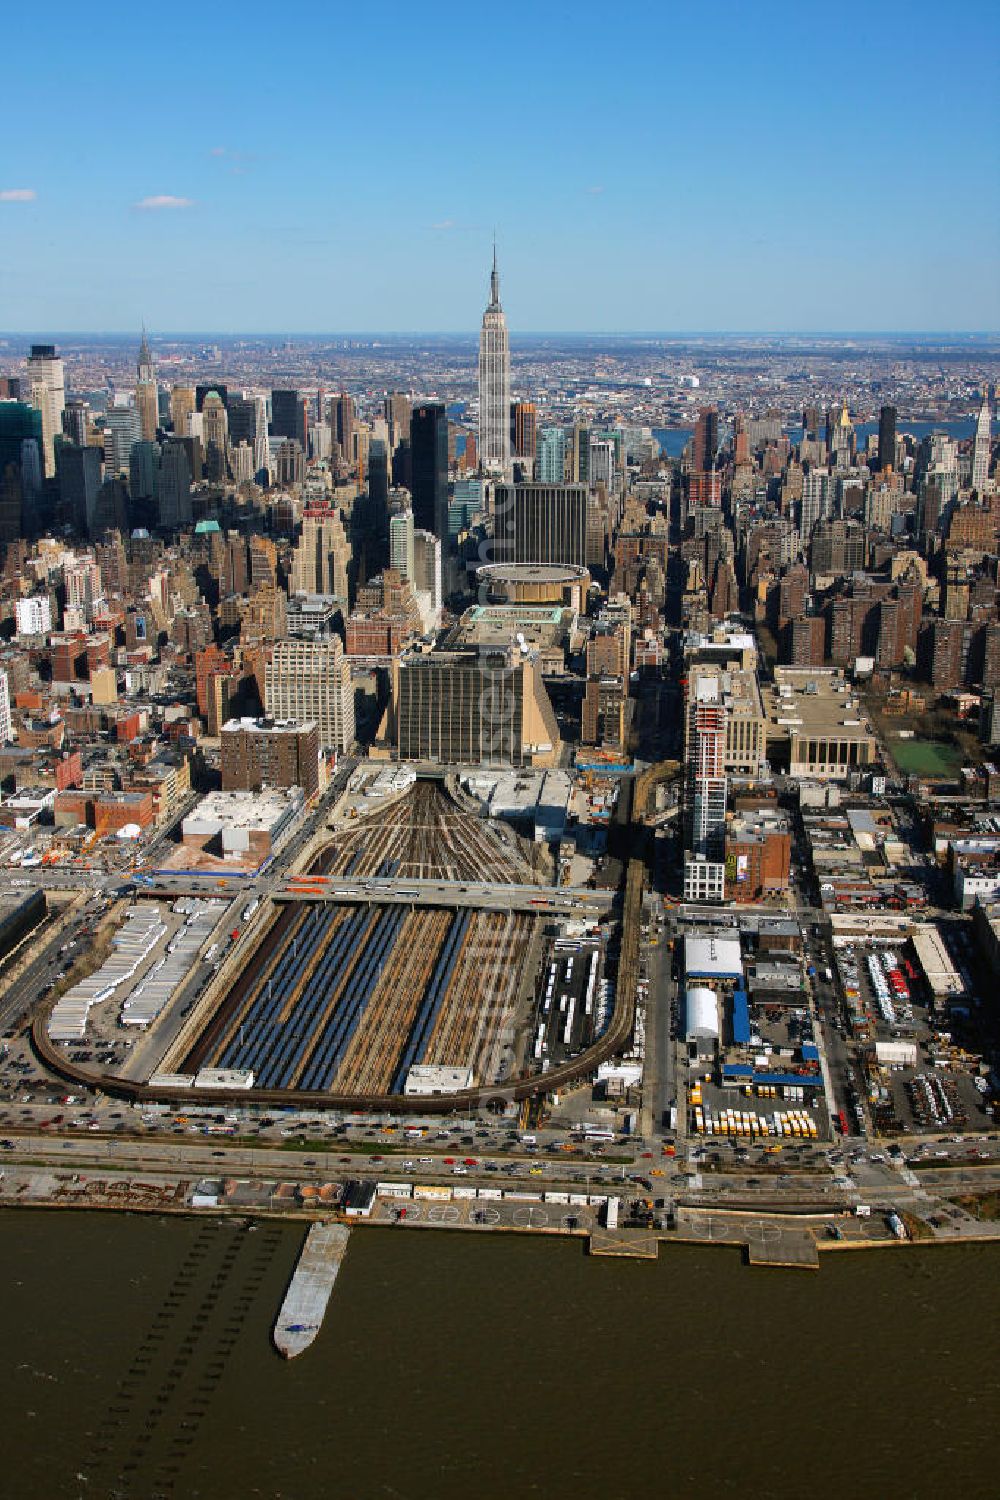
pixel 302 1311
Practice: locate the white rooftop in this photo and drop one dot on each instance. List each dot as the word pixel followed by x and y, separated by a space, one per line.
pixel 717 957
pixel 425 1078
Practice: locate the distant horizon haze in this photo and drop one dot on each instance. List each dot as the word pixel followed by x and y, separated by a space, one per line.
pixel 471 335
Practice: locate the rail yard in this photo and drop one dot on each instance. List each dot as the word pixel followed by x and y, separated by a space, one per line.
pixel 350 998
pixel 425 835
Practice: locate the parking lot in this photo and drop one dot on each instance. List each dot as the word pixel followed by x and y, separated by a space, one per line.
pixel 917 1076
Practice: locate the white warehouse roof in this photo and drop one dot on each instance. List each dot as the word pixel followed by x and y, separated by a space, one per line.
pixel 712 957
pixel 701 1013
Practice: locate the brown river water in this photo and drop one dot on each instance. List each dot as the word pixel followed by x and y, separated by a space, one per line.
pixel 136 1362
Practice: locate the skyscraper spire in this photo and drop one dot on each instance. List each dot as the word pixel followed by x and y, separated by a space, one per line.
pixel 495 281
pixel 146 395
pixel 144 363
pixel 494 382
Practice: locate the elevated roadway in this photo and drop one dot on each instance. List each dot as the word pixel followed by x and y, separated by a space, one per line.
pixel 491 896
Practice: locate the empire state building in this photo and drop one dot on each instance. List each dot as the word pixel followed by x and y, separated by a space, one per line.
pixel 494 382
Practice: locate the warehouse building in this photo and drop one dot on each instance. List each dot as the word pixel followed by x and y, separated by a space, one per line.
pixel 245 827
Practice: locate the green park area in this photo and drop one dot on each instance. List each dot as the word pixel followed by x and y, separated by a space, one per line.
pixel 925 757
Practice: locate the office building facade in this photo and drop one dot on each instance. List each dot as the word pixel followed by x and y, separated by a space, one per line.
pixel 429 467
pixel 541 523
pixel 311 680
pixel 463 708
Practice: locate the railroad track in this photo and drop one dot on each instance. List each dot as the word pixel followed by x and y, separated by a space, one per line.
pixel 369 1064
pixel 428 837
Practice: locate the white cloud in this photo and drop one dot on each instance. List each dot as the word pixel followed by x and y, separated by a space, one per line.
pixel 164 200
pixel 444 224
pixel 17 195
pixel 594 191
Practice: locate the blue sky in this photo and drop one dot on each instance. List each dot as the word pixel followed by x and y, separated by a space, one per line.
pixel 665 166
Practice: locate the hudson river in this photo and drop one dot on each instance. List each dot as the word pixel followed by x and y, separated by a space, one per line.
pixel 137 1362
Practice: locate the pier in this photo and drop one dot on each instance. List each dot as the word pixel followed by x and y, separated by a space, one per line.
pixel 302 1311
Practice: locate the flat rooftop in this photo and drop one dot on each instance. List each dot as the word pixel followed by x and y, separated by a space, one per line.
pixel 817 702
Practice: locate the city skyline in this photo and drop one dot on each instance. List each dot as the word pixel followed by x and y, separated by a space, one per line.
pixel 724 188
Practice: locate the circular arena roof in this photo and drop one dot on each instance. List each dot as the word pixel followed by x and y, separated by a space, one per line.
pixel 533 572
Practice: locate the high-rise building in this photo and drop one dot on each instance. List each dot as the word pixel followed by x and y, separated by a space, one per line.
pixel 247 416
pixel 76 422
pixel 121 430
pixel 256 753
pixel 144 470
pixel 837 547
pixel 175 484
pixel 20 426
pixel 322 556
pixel 817 497
pixel 704 481
pixel 308 680
pixel 841 438
pixel 705 807
pixel 401 533
pixel 78 473
pixel 215 389
pixel 943 654
pixel 427 549
pixel 397 408
pixel 429 467
pixel 378 476
pixel 147 396
pixel 981 445
pixel 343 421
pixel 887 438
pixel 602 462
pixel 288 460
pixel 462 708
pixel 215 431
pixel 289 417
pixel 494 382
pixel 82 579
pixel 808 641
pixel 181 408
pixel 550 455
pixel 602 715
pixel 47 385
pixel 706 440
pixel 541 523
pixel 33 615
pixel 524 429
pixel 6 722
